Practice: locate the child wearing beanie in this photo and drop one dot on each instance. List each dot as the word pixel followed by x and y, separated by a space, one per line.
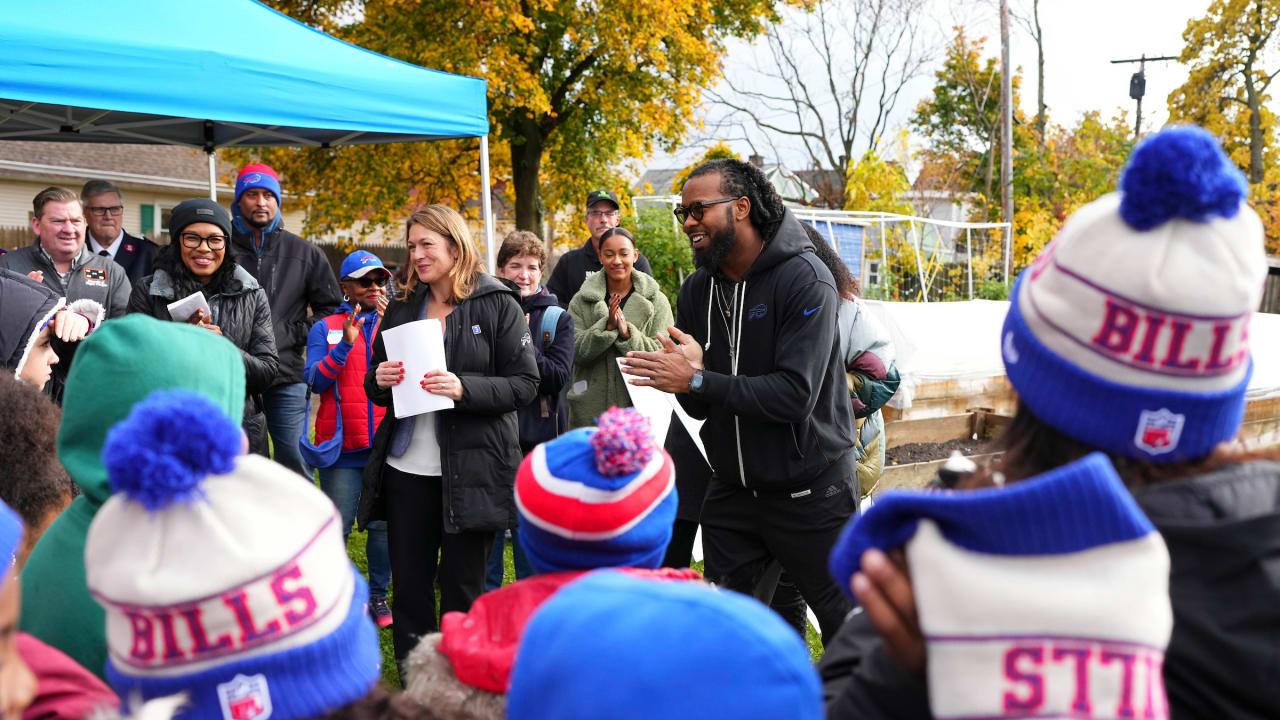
pixel 1127 342
pixel 615 647
pixel 209 589
pixel 601 497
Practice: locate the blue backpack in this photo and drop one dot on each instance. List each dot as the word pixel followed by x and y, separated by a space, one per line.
pixel 550 318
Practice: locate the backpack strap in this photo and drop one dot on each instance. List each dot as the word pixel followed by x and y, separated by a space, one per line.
pixel 550 318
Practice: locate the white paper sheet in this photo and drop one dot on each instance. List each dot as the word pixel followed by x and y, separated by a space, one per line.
pixel 420 346
pixel 182 310
pixel 652 403
pixel 658 406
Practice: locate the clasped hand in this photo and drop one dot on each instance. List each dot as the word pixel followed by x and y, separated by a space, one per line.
pixel 669 369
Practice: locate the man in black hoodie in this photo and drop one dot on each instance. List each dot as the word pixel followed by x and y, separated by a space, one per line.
pixel 758 360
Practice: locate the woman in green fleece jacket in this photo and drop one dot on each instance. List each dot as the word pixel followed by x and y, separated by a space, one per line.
pixel 619 309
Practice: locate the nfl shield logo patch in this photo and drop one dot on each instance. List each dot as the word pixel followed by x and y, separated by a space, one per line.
pixel 1158 431
pixel 246 697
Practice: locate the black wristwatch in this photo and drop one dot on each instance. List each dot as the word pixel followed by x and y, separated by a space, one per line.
pixel 695 382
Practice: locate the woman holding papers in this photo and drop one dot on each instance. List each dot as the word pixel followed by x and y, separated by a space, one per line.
pixel 618 309
pixel 443 479
pixel 197 261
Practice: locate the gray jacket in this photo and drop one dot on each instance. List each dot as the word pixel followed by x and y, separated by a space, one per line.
pixel 92 277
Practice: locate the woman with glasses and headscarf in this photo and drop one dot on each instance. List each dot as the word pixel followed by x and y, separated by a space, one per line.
pixel 197 261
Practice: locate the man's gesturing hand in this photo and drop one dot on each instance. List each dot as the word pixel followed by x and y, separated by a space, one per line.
pixel 669 369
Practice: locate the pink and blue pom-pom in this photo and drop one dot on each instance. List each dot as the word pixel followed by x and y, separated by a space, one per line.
pixel 167 445
pixel 1180 172
pixel 623 442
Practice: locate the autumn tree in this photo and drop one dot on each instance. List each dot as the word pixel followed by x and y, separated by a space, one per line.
pixel 1231 53
pixel 829 82
pixel 574 88
pixel 960 121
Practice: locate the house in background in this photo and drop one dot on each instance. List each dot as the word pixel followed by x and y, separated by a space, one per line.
pixel 154 178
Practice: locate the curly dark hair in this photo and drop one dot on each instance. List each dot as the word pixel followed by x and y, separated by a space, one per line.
pixel 32 481
pixel 742 179
pixel 846 283
pixel 185 282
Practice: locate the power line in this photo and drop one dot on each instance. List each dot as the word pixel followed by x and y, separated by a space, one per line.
pixel 1138 84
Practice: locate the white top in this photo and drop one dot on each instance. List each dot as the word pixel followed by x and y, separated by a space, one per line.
pixel 97 247
pixel 422 457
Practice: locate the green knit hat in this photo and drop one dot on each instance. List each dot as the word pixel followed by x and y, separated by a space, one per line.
pixel 123 362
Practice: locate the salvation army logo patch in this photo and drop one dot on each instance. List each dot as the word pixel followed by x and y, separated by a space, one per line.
pixel 246 697
pixel 1158 431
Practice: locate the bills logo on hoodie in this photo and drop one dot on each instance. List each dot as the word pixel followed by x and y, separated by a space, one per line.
pixel 246 697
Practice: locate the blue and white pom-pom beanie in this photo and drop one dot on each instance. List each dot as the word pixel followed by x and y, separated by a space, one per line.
pixel 1130 331
pixel 614 647
pixel 1048 598
pixel 223 576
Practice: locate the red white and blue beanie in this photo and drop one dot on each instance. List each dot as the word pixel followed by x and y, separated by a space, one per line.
pixel 614 647
pixel 1046 598
pixel 1130 332
pixel 258 175
pixel 223 576
pixel 597 497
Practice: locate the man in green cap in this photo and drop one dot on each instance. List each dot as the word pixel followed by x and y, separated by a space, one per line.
pixel 141 355
pixel 575 266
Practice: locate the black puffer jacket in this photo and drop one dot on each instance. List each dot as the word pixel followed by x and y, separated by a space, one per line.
pixel 295 275
pixel 1223 534
pixel 240 310
pixel 488 346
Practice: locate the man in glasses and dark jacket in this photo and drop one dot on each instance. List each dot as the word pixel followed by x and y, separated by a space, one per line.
pixel 104 215
pixel 754 353
pixel 575 266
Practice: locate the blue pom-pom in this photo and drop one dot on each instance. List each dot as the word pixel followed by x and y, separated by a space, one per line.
pixel 1180 172
pixel 168 444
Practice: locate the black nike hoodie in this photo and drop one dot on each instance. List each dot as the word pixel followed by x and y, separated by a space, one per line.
pixel 774 395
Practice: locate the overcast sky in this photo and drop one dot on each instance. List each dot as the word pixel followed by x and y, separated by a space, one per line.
pixel 1081 38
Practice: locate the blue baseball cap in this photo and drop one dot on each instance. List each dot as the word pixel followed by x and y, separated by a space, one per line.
pixel 361 263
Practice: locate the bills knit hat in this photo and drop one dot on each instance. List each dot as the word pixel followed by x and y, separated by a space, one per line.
pixel 597 497
pixel 1130 331
pixel 209 587
pixel 258 175
pixel 615 647
pixel 1045 598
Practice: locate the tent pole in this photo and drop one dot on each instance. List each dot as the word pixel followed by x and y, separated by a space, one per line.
pixel 213 178
pixel 968 245
pixel 486 205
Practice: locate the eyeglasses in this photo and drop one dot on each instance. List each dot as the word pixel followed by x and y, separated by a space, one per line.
pixel 696 209
pixel 367 282
pixel 597 214
pixel 192 241
pixel 113 211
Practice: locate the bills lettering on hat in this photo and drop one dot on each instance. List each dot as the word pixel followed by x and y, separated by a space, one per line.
pixel 1053 676
pixel 1172 343
pixel 264 610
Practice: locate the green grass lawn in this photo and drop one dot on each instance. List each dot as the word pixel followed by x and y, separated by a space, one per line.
pixel 391 675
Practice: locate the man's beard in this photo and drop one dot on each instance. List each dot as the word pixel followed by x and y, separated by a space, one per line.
pixel 255 224
pixel 719 245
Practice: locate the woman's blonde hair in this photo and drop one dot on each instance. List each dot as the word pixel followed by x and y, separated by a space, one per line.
pixel 446 221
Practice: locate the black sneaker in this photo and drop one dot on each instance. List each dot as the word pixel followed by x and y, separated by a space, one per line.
pixel 380 612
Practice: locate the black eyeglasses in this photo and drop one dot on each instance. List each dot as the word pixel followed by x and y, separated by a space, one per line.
pixel 113 211
pixel 697 208
pixel 367 282
pixel 192 241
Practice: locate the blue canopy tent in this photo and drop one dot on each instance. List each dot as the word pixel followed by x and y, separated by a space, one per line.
pixel 233 73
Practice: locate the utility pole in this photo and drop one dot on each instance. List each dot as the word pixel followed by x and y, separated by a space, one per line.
pixel 1138 85
pixel 1006 136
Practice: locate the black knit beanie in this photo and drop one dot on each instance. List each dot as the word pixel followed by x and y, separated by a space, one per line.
pixel 199 210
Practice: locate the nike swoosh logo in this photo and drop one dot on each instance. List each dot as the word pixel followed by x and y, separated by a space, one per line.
pixel 807 313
